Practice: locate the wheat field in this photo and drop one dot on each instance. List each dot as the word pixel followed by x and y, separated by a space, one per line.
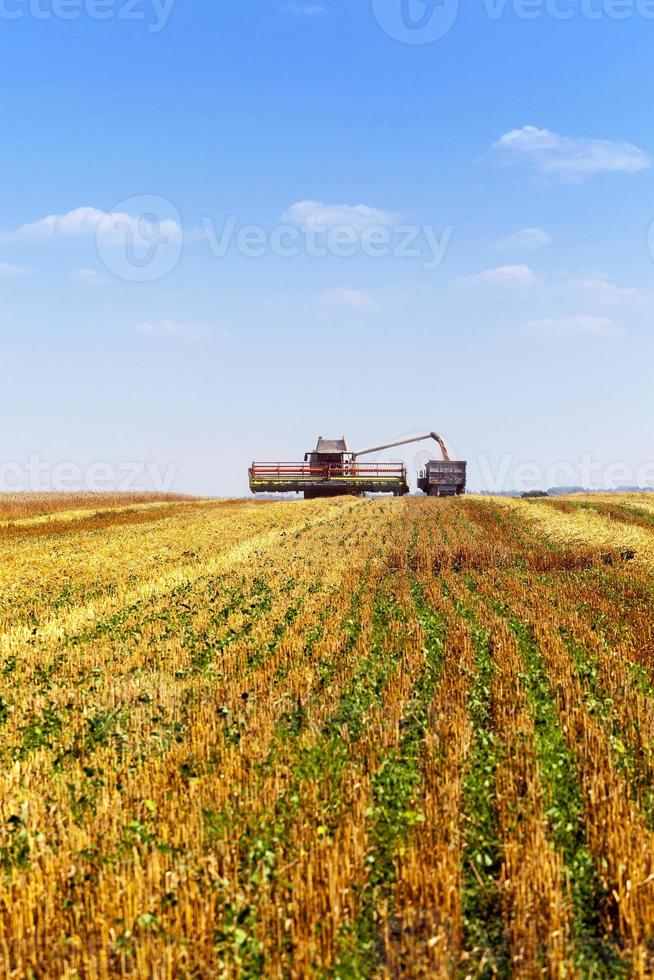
pixel 344 738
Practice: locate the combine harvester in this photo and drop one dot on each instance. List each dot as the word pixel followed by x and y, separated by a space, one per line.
pixel 331 470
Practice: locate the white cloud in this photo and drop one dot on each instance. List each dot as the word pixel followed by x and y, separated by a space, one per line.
pixel 8 271
pixel 504 275
pixel 185 331
pixel 87 276
pixel 524 240
pixel 315 214
pixel 603 290
pixel 570 157
pixel 306 9
pixel 112 227
pixel 573 326
pixel 355 299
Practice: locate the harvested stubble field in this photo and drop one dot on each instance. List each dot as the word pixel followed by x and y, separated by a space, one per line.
pixel 347 738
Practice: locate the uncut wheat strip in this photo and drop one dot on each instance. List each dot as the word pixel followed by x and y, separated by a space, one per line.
pixel 121 682
pixel 617 835
pixel 72 516
pixel 144 787
pixel 621 501
pixel 136 610
pixel 81 568
pixel 54 630
pixel 77 546
pixel 54 533
pixel 621 513
pixel 585 528
pixel 468 516
pixel 19 504
pixel 645 502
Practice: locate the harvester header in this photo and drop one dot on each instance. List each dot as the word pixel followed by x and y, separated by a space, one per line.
pixel 333 470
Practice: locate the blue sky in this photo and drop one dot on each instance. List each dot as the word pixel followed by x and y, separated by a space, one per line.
pixel 521 146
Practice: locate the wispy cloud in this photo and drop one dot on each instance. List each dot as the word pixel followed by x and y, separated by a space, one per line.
pixel 504 275
pixel 572 326
pixel 305 9
pixel 569 157
pixel 355 299
pixel 8 271
pixel 112 227
pixel 524 240
pixel 315 214
pixel 87 277
pixel 181 330
pixel 604 291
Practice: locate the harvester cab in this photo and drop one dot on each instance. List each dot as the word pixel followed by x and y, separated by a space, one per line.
pixel 332 470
